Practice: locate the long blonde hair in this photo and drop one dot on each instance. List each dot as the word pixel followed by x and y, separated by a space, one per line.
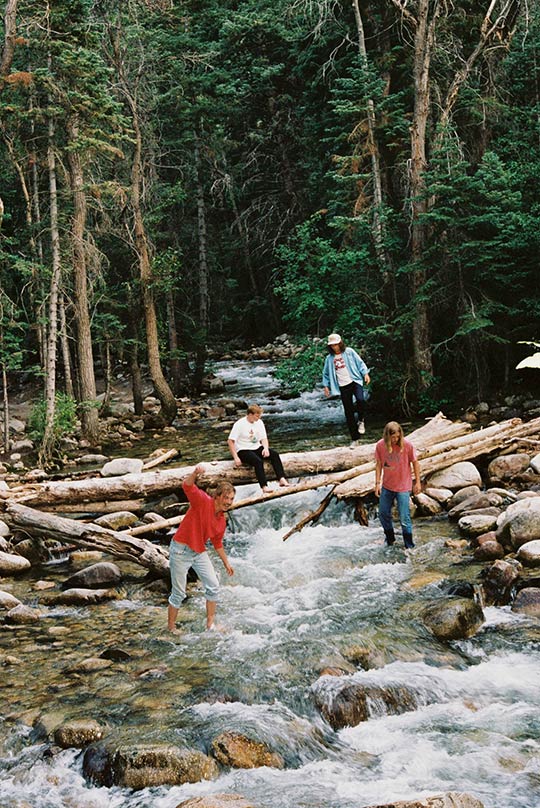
pixel 390 429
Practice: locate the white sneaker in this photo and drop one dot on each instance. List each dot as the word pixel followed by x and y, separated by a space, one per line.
pixel 361 428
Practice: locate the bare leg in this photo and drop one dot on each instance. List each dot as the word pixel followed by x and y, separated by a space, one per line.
pixel 283 482
pixel 172 614
pixel 210 613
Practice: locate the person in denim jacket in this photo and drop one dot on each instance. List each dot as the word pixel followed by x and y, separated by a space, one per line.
pixel 345 373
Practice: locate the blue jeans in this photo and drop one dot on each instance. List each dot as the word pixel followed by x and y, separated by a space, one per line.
pixel 385 515
pixel 181 558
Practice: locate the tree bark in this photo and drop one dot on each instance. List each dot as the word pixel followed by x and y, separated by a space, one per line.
pixel 10 34
pixel 86 375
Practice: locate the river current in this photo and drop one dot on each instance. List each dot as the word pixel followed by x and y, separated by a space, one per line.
pixel 291 609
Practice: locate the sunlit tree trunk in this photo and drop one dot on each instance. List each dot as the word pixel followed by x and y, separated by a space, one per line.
pixel 64 341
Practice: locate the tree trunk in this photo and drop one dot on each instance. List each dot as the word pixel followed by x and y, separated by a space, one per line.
pixel 68 378
pixel 200 356
pixel 7 441
pixel 152 484
pixel 87 379
pixel 10 35
pixel 52 326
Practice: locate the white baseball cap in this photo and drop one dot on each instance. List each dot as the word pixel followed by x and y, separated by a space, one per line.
pixel 334 339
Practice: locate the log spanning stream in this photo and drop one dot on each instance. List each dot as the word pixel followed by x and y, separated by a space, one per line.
pixel 324 597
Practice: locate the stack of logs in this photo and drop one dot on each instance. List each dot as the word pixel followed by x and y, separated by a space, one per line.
pixel 40 508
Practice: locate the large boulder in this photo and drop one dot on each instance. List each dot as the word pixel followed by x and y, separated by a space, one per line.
pixel 485 499
pixel 217 801
pixel 529 553
pixel 456 476
pixel 461 494
pixel 78 733
pixel 96 576
pixel 454 619
pixel 349 703
pixel 145 766
pixel 477 523
pixel 11 564
pixel 527 601
pixel 241 752
pixel 520 523
pixel 122 465
pixel 452 799
pixel 498 581
pixel 507 466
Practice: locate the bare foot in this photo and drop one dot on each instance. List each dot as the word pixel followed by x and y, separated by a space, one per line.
pixel 283 483
pixel 173 630
pixel 266 489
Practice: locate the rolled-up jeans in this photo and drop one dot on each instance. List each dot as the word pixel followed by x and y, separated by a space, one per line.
pixel 386 501
pixel 181 558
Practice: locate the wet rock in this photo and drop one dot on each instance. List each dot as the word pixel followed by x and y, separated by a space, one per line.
pixel 32 550
pixel 476 524
pixel 90 665
pixel 484 499
pixel 527 601
pixel 507 466
pixel 489 551
pixel 347 704
pixel 116 654
pixel 520 523
pixel 97 576
pixel 11 564
pixel 456 476
pixel 81 597
pixel 7 600
pixel 427 506
pixel 141 767
pixel 122 465
pixel 529 553
pixel 92 460
pixel 498 581
pixel 452 799
pixel 363 656
pixel 454 619
pixel 217 801
pixel 240 752
pixel 22 615
pixel 78 733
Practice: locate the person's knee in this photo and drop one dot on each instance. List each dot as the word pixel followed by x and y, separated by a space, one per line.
pixel 211 589
pixel 176 598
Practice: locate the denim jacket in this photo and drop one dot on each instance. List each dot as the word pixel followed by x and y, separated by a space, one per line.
pixel 355 365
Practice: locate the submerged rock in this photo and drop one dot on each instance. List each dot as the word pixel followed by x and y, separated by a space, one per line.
pixel 452 799
pixel 240 752
pixel 348 704
pixel 217 801
pixel 454 619
pixel 141 766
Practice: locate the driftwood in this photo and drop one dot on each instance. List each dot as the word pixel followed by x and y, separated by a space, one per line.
pixel 162 458
pixel 152 484
pixel 89 536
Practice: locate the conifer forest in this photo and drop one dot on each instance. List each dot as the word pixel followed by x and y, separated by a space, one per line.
pixel 177 176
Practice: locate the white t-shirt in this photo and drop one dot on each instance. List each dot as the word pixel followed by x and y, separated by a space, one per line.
pixel 246 435
pixel 342 374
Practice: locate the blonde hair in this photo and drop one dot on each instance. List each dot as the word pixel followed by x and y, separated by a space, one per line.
pixel 391 428
pixel 254 409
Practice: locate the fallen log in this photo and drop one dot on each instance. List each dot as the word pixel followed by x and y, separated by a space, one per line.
pixel 439 456
pixel 89 536
pixel 151 484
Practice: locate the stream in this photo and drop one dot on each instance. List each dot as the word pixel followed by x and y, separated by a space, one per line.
pixel 291 609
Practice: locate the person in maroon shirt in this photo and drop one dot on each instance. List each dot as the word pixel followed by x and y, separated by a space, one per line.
pixel 204 520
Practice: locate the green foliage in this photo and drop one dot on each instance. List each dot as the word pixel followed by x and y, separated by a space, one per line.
pixel 302 371
pixel 65 419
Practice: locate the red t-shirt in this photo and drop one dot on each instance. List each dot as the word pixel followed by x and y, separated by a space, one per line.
pixel 200 522
pixel 396 465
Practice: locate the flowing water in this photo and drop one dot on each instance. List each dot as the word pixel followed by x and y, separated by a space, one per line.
pixel 291 609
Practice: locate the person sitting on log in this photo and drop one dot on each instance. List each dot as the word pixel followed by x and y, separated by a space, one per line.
pixel 204 520
pixel 394 457
pixel 248 444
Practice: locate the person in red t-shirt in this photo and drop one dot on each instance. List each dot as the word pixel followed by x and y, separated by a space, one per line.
pixel 394 457
pixel 204 520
